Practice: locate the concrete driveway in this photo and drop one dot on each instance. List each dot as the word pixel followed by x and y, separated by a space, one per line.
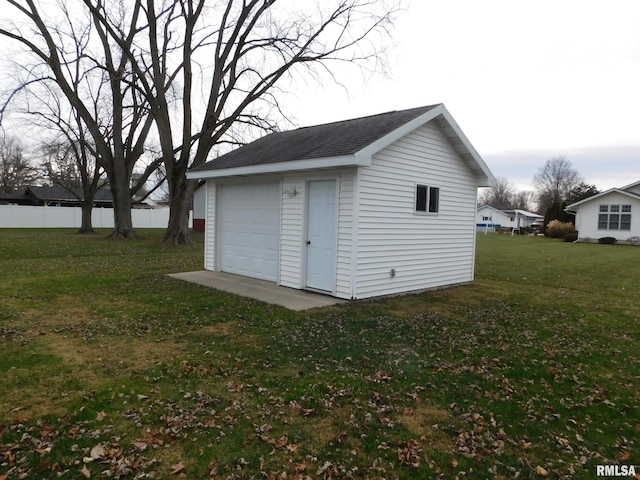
pixel 261 290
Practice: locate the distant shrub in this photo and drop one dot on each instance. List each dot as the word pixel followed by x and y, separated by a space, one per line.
pixel 556 212
pixel 607 240
pixel 558 229
pixel 571 237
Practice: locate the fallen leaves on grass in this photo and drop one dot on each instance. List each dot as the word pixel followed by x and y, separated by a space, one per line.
pixel 514 386
pixel 110 458
pixel 541 471
pixel 86 473
pixel 410 453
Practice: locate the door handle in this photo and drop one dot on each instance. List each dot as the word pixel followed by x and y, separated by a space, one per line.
pixel 308 242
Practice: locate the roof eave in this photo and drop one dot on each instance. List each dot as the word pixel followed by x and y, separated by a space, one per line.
pixel 281 167
pixel 631 185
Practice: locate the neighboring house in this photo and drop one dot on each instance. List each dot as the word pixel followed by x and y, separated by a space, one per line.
pixel 14 199
pixel 614 213
pixel 372 206
pixel 60 197
pixel 489 218
pixel 199 206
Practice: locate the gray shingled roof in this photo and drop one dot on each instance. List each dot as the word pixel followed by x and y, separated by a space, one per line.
pixel 321 141
pixel 58 193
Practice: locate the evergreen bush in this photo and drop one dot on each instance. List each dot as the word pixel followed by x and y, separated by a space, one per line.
pixel 556 212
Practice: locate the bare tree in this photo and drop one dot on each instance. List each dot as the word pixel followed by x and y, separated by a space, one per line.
pixel 70 164
pixel 554 181
pixel 524 200
pixel 74 58
pixel 206 73
pixel 214 73
pixel 500 196
pixel 16 171
pixel 69 154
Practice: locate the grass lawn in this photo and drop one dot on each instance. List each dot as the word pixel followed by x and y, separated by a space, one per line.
pixel 110 369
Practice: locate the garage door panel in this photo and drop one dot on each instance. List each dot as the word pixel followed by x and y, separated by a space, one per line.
pixel 250 230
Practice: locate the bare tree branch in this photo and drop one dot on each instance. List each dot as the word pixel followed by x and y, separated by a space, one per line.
pixel 245 51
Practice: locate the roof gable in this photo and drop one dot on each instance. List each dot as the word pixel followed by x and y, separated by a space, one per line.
pixel 489 207
pixel 345 143
pixel 602 194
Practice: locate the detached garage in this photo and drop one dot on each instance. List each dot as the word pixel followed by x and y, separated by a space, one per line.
pixel 355 209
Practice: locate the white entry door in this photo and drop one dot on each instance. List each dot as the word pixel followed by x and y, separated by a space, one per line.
pixel 321 235
pixel 249 219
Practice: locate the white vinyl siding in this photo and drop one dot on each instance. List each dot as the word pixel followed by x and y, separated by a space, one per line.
pixel 291 234
pixel 346 243
pixel 590 220
pixel 494 217
pixel 210 222
pixel 378 229
pixel 293 229
pixel 425 251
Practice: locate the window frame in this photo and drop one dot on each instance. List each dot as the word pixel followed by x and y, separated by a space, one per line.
pixel 614 217
pixel 430 196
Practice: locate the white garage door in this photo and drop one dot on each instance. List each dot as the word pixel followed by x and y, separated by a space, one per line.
pixel 249 230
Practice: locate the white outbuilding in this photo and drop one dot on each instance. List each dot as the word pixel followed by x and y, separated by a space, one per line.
pixel 489 218
pixel 612 213
pixel 372 206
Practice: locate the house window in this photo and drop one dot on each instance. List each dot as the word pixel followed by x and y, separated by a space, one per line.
pixel 427 199
pixel 614 217
pixel 625 218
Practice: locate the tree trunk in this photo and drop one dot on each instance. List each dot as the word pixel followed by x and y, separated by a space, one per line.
pixel 180 200
pixel 86 227
pixel 123 224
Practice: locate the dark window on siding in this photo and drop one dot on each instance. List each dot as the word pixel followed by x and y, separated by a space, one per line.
pixel 427 199
pixel 434 199
pixel 421 198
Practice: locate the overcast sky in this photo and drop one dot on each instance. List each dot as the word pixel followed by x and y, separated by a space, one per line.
pixel 526 81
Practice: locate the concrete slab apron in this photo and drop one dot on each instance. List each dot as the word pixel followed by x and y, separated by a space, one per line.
pixel 257 289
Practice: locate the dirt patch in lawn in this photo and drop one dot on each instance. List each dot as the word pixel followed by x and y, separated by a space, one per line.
pixel 221 329
pixel 331 427
pixel 232 334
pixel 426 422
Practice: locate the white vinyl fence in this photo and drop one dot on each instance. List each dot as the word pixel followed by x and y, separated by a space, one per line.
pixel 23 216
